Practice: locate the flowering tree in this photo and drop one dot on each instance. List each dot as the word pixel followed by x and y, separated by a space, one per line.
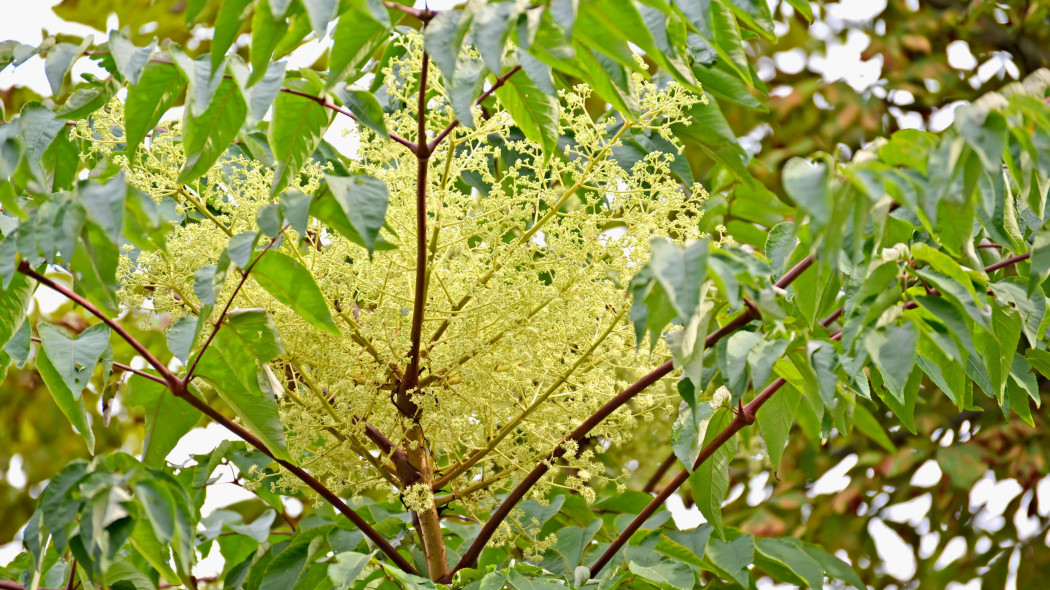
pixel 447 342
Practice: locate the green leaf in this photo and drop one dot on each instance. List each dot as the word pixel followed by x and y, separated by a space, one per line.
pixel 517 580
pixel 14 304
pixel 787 556
pixel 534 111
pixel 320 12
pixel 38 128
pixel 687 433
pixel 75 358
pixel 833 566
pixel 490 32
pixel 893 351
pixel 365 107
pixel 72 406
pixel 59 60
pixel 167 418
pixel 710 481
pixel 266 32
pixel 207 136
pixel 774 420
pixel 182 335
pixel 564 13
pixel 347 568
pixel 668 287
pixel 228 21
pixel 762 357
pixel 256 328
pixel 295 132
pixel 58 505
pixel 355 206
pixel 130 60
pixel 985 132
pixel 737 349
pixel 104 204
pixel 665 574
pixel 806 183
pixel 755 14
pixel 230 367
pixel 732 559
pixel 156 91
pixel 291 284
pixel 443 39
pixel 87 100
pixel 864 421
pixel 159 507
pixel 203 78
pixel 803 7
pixel 1040 259
pixel 356 37
pixel 465 85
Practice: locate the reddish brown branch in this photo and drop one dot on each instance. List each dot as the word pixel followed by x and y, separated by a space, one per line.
pixel 169 378
pixel 343 111
pixel 178 387
pixel 226 310
pixel 740 420
pixel 411 379
pixel 499 82
pixel 659 474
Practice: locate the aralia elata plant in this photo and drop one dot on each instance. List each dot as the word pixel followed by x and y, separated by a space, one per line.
pixel 434 342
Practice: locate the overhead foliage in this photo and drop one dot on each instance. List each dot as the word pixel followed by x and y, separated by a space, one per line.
pixel 443 345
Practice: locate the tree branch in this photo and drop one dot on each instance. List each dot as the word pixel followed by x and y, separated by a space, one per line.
pixel 423 14
pixel 411 378
pixel 179 389
pixel 343 111
pixel 225 310
pixel 743 418
pixel 168 376
pixel 444 133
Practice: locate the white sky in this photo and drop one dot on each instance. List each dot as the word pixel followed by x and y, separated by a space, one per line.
pixel 24 21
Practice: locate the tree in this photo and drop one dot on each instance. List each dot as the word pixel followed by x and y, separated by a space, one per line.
pixel 449 345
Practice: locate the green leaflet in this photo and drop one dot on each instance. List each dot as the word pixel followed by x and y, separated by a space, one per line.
pixel 229 366
pixel 157 88
pixel 354 206
pixel 74 359
pixel 207 135
pixel 366 108
pixel 710 481
pixel 291 284
pixel 72 406
pixel 665 574
pixel 893 351
pixel 774 420
pixel 14 303
pixel 731 559
pixel 228 21
pixel 168 418
pixel 534 111
pixel 295 132
pixel 687 434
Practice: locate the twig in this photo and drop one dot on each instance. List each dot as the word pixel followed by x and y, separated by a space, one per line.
pixel 444 133
pixel 225 310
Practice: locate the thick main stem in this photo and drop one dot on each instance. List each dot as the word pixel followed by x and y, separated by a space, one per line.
pixel 429 521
